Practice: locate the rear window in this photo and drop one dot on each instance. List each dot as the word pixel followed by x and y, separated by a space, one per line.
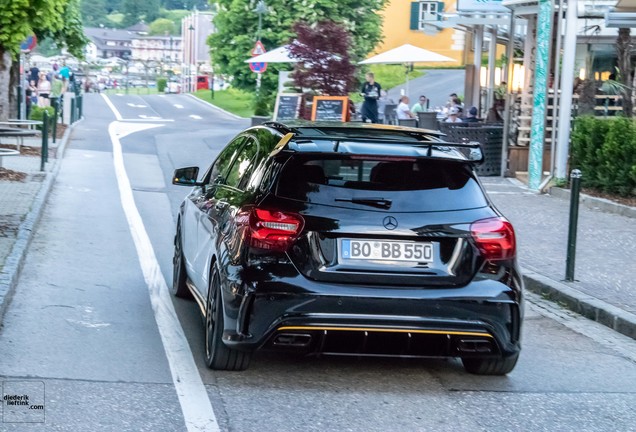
pixel 405 184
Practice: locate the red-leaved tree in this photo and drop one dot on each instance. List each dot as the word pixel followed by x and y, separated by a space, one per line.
pixel 323 63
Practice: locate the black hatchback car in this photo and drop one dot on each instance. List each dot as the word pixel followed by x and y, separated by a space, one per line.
pixel 348 239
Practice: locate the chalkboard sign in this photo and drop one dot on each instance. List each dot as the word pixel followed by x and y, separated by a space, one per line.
pixel 287 106
pixel 330 108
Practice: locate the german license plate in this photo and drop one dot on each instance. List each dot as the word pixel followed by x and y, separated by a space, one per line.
pixel 383 250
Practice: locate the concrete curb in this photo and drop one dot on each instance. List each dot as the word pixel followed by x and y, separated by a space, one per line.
pixel 586 305
pixel 596 203
pixel 217 108
pixel 15 259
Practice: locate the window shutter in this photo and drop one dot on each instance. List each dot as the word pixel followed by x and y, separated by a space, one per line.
pixel 440 10
pixel 415 15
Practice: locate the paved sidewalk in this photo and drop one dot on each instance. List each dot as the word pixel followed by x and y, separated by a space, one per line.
pixel 605 290
pixel 21 204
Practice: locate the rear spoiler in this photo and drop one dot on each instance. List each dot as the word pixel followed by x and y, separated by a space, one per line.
pixel 470 152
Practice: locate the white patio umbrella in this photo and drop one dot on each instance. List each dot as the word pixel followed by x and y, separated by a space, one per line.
pixel 407 54
pixel 277 55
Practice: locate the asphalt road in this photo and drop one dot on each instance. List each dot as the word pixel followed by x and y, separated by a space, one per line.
pixel 92 337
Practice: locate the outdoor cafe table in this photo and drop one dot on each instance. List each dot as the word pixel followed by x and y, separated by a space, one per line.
pixel 17 133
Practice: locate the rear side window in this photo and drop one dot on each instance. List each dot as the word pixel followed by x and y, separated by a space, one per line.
pixel 410 185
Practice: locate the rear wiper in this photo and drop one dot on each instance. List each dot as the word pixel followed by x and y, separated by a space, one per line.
pixel 370 201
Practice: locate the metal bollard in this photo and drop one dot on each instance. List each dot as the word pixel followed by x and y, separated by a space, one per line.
pixel 19 100
pixel 56 116
pixel 72 110
pixel 80 104
pixel 575 178
pixel 44 152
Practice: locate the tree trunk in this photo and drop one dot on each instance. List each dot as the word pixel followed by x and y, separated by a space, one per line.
pixel 623 51
pixel 587 100
pixel 14 81
pixel 5 88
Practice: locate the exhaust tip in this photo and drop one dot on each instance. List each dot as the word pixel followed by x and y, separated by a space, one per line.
pixel 475 346
pixel 299 340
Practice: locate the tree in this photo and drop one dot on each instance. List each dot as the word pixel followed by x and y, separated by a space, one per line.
pixel 623 50
pixel 162 26
pixel 93 12
pixel 237 24
pixel 57 19
pixel 135 11
pixel 323 58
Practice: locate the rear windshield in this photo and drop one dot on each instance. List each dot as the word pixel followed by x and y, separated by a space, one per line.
pixel 392 184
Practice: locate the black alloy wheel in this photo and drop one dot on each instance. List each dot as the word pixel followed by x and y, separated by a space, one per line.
pixel 218 355
pixel 179 276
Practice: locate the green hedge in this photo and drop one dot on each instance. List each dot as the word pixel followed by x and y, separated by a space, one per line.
pixel 605 151
pixel 37 113
pixel 162 83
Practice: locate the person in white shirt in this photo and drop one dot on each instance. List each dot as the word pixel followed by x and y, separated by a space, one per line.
pixel 453 115
pixel 402 110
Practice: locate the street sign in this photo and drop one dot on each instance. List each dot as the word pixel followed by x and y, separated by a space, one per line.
pixel 258 49
pixel 258 67
pixel 29 44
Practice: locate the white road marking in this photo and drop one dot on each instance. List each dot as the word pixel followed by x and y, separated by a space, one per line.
pixel 195 403
pixel 178 106
pixel 162 96
pixel 136 106
pixel 112 107
pixel 143 118
pixel 196 117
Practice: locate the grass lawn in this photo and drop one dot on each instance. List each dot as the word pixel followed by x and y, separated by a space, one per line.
pixel 235 101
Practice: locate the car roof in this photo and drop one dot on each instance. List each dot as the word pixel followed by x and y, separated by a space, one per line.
pixel 370 139
pixel 373 131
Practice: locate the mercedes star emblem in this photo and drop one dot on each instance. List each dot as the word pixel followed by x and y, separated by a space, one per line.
pixel 390 223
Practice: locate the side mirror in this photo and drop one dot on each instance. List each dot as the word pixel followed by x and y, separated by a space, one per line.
pixel 186 176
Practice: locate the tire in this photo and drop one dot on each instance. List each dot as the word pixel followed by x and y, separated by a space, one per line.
pixel 490 366
pixel 218 355
pixel 179 275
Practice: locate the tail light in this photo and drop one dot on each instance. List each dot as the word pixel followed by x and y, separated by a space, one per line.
pixel 495 238
pixel 273 230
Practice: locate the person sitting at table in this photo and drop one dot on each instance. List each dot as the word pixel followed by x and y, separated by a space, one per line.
pixel 402 110
pixel 471 116
pixel 420 106
pixel 453 115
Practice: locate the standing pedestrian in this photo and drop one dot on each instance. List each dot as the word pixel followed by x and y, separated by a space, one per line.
pixel 371 92
pixel 44 90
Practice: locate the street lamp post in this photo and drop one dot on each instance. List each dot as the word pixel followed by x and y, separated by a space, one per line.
pixel 190 57
pixel 261 8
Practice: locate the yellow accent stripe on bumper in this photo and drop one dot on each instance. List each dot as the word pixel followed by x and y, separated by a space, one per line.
pixel 385 330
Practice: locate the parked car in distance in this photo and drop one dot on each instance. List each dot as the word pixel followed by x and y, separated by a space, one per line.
pixel 348 239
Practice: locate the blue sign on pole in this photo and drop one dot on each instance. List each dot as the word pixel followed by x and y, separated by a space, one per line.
pixel 29 43
pixel 258 67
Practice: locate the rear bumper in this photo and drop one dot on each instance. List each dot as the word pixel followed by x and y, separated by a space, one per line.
pixel 481 319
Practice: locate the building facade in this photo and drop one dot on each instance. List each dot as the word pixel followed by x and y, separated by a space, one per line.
pixel 195 29
pixel 420 23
